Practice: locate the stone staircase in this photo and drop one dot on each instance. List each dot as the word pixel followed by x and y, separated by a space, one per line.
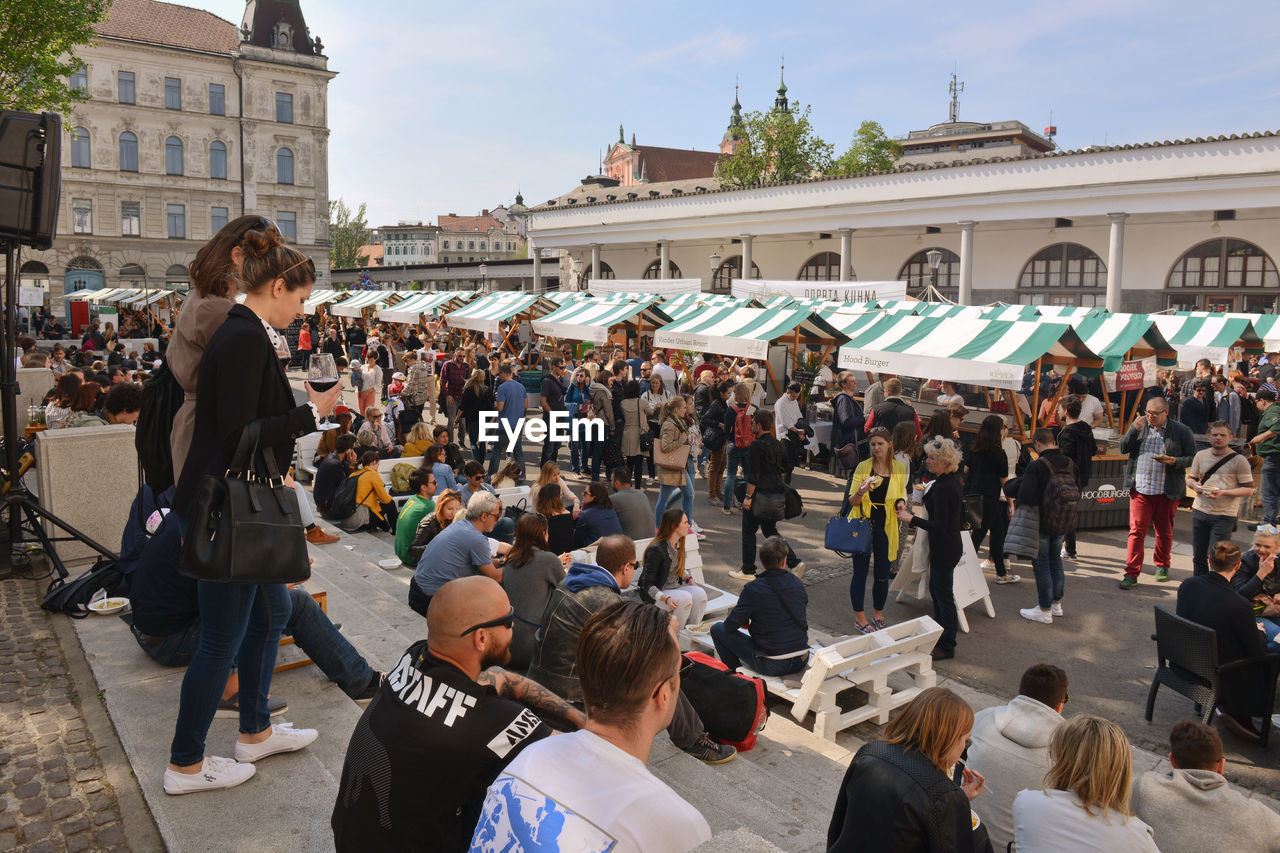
pixel 778 796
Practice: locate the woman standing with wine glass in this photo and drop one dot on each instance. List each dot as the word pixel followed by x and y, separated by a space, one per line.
pixel 239 384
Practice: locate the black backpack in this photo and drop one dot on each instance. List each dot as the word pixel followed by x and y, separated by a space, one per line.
pixel 162 396
pixel 343 503
pixel 73 597
pixel 1061 500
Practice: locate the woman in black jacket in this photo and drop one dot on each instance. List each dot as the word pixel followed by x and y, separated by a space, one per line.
pixel 944 503
pixel 241 381
pixel 898 794
pixel 477 397
pixel 986 470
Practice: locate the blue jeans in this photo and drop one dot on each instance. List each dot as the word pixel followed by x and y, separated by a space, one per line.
pixel 862 562
pixel 734 647
pixel 320 641
pixel 504 531
pixel 1269 628
pixel 1206 531
pixel 736 456
pixel 594 451
pixel 241 623
pixel 1047 567
pixel 1270 488
pixel 550 449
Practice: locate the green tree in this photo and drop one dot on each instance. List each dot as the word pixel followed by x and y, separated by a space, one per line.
pixel 870 151
pixel 777 146
pixel 38 40
pixel 348 231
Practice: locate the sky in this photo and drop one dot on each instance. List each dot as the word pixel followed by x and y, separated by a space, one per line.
pixel 447 108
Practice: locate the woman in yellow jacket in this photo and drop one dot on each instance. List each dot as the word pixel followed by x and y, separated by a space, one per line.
pixel 879 484
pixel 375 510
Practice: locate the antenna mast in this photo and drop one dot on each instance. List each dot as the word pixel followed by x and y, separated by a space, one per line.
pixel 955 89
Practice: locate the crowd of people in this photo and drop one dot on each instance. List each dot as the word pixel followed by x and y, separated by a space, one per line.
pixel 542 614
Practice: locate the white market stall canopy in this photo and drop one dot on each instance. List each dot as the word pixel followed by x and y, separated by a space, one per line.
pixel 418 304
pixel 831 291
pixel 648 286
pixel 95 295
pixel 352 306
pixel 150 298
pixel 122 297
pixel 487 312
pixel 591 320
pixel 1209 336
pixel 321 297
pixel 744 332
pixel 991 353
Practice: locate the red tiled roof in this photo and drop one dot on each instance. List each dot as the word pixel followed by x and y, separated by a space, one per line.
pixel 372 253
pixel 169 24
pixel 676 164
pixel 470 224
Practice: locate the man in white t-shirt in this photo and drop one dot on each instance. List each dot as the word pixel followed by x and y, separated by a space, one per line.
pixel 590 790
pixel 665 371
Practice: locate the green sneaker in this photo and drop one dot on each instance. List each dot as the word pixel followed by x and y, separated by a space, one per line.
pixel 1128 582
pixel 1162 574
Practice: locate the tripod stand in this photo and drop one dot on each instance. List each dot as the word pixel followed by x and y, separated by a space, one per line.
pixel 17 503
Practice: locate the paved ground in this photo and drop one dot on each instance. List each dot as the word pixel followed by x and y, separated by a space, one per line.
pixel 64 784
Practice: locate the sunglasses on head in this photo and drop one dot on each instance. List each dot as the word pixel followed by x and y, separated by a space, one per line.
pixel 507 621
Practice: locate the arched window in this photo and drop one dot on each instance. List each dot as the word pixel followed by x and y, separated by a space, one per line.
pixel 1223 274
pixel 606 272
pixel 34 274
pixel 176 277
pixel 218 160
pixel 824 266
pixel 917 273
pixel 128 152
pixel 1063 265
pixel 284 166
pixel 80 158
pixel 173 156
pixel 654 268
pixel 132 275
pixel 729 270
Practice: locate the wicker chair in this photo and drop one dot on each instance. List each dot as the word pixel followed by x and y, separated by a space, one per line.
pixel 1188 655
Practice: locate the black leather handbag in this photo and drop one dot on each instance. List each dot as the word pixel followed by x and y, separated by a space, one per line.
pixel 246 527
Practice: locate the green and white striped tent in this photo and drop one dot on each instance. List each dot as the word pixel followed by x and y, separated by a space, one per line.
pixel 485 313
pixel 120 297
pixel 412 308
pixel 1121 337
pixel 145 298
pixel 1211 336
pixel 991 353
pixel 1265 326
pixel 946 309
pixel 719 300
pixel 744 332
pixel 321 297
pixel 591 319
pixel 361 299
pixel 1069 313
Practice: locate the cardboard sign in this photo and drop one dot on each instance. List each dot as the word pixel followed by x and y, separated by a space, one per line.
pixel 31 296
pixel 1131 376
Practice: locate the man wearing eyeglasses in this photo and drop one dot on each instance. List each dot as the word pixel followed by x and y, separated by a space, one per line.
pixel 460 550
pixel 1160 450
pixel 446 720
pixel 631 666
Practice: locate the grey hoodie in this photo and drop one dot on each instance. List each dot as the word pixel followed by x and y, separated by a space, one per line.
pixel 1193 811
pixel 1010 748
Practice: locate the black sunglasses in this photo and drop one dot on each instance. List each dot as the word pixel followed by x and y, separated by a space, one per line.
pixel 679 673
pixel 507 621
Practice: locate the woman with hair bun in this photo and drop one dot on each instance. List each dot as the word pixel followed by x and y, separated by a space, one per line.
pixel 241 382
pixel 944 501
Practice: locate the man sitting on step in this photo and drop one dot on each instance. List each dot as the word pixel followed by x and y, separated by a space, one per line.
pixel 772 608
pixel 444 724
pixel 586 589
pixel 165 621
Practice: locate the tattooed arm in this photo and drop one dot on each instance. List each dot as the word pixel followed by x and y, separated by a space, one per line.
pixel 533 695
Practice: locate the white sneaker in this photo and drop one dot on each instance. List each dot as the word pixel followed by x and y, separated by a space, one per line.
pixel 1009 578
pixel 284 738
pixel 741 576
pixel 216 773
pixel 694 528
pixel 1035 614
pixel 1056 609
pixel 986 565
pixel 798 570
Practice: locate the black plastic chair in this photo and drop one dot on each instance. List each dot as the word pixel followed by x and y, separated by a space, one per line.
pixel 1188 656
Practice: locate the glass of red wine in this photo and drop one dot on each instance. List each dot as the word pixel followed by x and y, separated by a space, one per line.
pixel 322 373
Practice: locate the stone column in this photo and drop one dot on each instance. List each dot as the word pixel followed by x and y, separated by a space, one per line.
pixel 537 267
pixel 966 262
pixel 746 256
pixel 664 259
pixel 1115 260
pixel 595 261
pixel 846 254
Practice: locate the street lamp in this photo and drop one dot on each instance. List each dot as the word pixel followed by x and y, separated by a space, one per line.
pixel 484 273
pixel 935 259
pixel 575 263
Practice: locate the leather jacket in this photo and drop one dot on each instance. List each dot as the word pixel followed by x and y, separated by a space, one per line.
pixel 555 653
pixel 894 798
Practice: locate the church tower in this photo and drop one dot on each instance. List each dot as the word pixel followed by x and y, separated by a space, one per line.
pixel 734 133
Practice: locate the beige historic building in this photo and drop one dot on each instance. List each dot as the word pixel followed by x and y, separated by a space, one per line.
pixel 190 122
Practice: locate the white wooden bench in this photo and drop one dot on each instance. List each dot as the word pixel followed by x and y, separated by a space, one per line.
pixel 304 466
pixel 719 601
pixel 514 495
pixel 384 471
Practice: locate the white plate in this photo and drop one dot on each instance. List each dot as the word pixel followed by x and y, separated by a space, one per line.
pixel 107 606
pixel 390 563
pixel 700 628
pixel 326 427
